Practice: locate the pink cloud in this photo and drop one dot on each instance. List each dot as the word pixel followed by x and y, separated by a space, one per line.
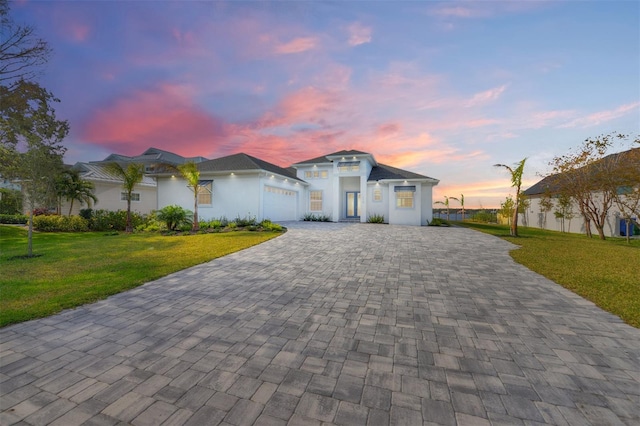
pixel 163 117
pixel 297 45
pixel 309 104
pixel 486 96
pixel 602 116
pixel 359 34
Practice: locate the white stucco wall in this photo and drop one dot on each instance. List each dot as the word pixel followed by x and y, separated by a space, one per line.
pixel 108 195
pixel 405 216
pixel 378 207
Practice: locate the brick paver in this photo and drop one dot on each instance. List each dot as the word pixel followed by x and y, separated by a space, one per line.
pixel 331 324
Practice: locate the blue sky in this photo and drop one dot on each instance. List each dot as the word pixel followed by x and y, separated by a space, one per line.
pixel 445 89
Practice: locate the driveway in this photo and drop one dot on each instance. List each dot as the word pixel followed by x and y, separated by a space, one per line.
pixel 331 324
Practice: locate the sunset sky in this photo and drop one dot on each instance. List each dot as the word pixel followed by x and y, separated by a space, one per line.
pixel 445 89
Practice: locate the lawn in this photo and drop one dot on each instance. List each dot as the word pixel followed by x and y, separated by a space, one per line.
pixel 78 268
pixel 604 272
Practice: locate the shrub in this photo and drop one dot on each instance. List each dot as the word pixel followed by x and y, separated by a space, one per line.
pixel 60 223
pixel 150 223
pixel 86 213
pixel 107 220
pixel 175 217
pixel 10 201
pixel 231 225
pixel 267 225
pixel 13 219
pixel 245 221
pixel 484 217
pixel 376 218
pixel 310 217
pixel 438 222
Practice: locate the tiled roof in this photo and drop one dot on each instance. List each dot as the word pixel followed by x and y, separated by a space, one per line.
pixel 152 156
pixel 99 171
pixel 242 161
pixel 382 171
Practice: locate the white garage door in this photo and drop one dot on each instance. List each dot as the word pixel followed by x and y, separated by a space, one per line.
pixel 280 204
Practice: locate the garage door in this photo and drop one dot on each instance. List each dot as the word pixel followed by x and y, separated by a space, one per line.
pixel 280 204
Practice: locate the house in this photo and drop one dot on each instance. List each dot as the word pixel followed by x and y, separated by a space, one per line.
pixel 108 187
pixel 568 218
pixel 345 186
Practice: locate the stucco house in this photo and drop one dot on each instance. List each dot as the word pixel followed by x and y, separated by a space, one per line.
pixel 345 186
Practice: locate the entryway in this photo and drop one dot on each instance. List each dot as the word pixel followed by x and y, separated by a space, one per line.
pixel 353 205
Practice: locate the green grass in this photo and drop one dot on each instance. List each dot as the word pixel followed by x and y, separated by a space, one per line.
pixel 604 272
pixel 77 268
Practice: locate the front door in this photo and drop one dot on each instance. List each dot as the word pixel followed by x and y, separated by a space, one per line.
pixel 353 204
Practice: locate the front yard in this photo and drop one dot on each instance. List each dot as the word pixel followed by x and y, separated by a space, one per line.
pixel 79 268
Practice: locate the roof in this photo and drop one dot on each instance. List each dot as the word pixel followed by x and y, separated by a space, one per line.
pixel 153 156
pixel 551 184
pixel 242 161
pixel 326 159
pixel 382 171
pixel 99 172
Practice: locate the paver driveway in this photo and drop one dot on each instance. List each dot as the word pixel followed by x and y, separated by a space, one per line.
pixel 335 323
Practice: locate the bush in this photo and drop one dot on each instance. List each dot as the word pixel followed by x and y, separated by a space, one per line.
pixel 60 224
pixel 375 218
pixel 484 217
pixel 175 217
pixel 267 225
pixel 106 220
pixel 310 217
pixel 14 219
pixel 438 222
pixel 245 221
pixel 10 201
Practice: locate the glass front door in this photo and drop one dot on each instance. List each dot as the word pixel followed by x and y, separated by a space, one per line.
pixel 353 204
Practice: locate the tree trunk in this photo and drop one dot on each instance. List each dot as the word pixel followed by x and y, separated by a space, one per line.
pixel 70 207
pixel 196 225
pixel 514 222
pixel 129 228
pixel 30 236
pixel 628 223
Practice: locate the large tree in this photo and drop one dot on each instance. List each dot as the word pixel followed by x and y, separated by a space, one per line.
pixel 131 175
pixel 592 178
pixel 516 181
pixel 21 51
pixel 190 172
pixel 30 144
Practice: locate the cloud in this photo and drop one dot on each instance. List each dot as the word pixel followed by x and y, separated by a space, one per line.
pixel 306 105
pixel 359 34
pixel 485 97
pixel 163 117
pixel 297 45
pixel 601 116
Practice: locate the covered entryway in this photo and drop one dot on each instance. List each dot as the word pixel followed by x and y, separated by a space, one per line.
pixel 353 204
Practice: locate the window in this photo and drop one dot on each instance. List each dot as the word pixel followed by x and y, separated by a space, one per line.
pixel 377 195
pixel 279 191
pixel 316 174
pixel 205 191
pixel 349 166
pixel 315 201
pixel 135 196
pixel 404 196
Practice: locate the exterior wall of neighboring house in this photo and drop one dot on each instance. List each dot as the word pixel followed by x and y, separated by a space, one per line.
pixel 535 218
pixel 109 194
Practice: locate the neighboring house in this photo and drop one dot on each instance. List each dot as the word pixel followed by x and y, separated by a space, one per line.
pixel 108 187
pixel 346 185
pixel 574 222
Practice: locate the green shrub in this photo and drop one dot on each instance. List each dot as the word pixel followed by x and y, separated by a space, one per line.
pixel 245 221
pixel 231 225
pixel 376 218
pixel 484 217
pixel 174 217
pixel 10 201
pixel 310 217
pixel 14 219
pixel 267 225
pixel 436 221
pixel 60 224
pixel 107 220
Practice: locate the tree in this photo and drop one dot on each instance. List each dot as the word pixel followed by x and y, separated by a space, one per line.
pixel 10 201
pixel 564 211
pixel 546 205
pixel 516 182
pixel 507 208
pixel 445 203
pixel 131 176
pixel 191 173
pixel 71 187
pixel 461 201
pixel 30 144
pixel 624 186
pixel 21 52
pixel 593 180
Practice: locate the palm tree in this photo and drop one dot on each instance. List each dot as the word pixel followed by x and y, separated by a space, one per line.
pixel 516 181
pixel 131 176
pixel 445 203
pixel 191 173
pixel 72 187
pixel 461 201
